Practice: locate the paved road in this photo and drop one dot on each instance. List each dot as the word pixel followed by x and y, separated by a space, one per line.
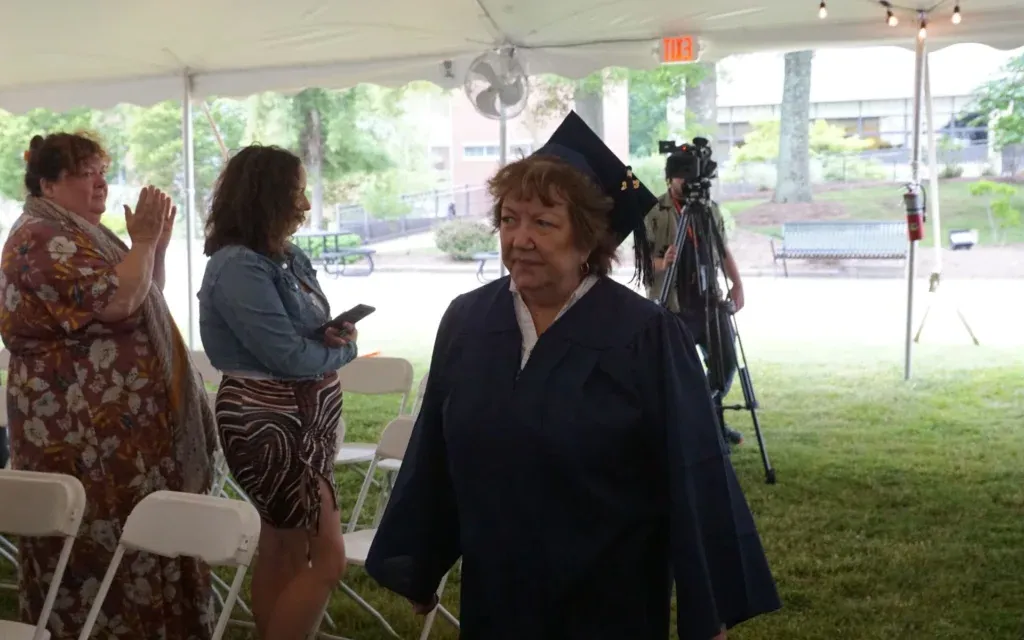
pixel 784 317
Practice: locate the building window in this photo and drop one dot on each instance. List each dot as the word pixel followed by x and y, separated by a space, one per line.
pixel 517 151
pixel 439 158
pixel 481 152
pixel 493 151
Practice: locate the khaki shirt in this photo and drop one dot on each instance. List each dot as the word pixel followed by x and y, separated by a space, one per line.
pixel 661 224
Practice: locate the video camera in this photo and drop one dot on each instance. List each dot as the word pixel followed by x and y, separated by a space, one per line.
pixel 692 163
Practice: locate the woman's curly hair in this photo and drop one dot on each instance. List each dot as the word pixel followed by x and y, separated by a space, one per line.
pixel 254 201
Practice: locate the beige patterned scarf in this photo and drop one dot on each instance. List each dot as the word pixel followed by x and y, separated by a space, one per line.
pixel 193 424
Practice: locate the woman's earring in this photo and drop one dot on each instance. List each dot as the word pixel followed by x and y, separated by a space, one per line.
pixel 585 268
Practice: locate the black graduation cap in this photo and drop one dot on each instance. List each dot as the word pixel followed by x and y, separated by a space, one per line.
pixel 577 144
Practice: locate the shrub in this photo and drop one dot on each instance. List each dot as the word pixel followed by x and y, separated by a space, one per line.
pixel 460 239
pixel 316 246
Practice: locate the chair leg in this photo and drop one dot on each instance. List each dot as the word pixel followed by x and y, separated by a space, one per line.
pixel 447 615
pixel 366 606
pixel 218 585
pixel 101 593
pixel 428 623
pixel 229 603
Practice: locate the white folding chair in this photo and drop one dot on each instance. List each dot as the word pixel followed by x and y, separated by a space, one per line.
pixel 418 402
pixel 372 376
pixel 171 524
pixel 8 551
pixel 206 369
pixel 40 505
pixel 392 445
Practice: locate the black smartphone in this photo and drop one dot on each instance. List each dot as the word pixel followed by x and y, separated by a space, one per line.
pixel 352 316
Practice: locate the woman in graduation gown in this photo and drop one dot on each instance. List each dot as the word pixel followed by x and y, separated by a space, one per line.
pixel 567 449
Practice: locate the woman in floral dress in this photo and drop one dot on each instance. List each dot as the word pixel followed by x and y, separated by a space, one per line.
pixel 101 387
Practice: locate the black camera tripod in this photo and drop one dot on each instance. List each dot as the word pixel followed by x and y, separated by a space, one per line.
pixel 696 205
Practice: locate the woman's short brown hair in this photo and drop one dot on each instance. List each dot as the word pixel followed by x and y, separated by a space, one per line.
pixel 59 154
pixel 254 201
pixel 546 178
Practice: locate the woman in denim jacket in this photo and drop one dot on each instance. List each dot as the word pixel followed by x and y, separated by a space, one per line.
pixel 279 403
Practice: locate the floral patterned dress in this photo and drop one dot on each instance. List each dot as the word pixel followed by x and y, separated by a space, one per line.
pixel 86 398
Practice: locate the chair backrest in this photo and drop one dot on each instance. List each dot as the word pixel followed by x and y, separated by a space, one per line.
pixel 394 440
pixel 171 524
pixel 420 391
pixel 206 368
pixel 846 237
pixel 40 504
pixel 377 376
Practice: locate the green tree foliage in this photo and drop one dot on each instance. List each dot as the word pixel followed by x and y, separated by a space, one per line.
pixel 17 130
pixel 761 144
pixel 1003 98
pixel 1001 212
pixel 649 95
pixel 338 134
pixel 157 155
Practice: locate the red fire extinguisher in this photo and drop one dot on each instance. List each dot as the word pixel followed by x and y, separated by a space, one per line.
pixel 914 202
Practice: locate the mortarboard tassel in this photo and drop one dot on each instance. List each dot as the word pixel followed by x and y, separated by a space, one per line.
pixel 644 269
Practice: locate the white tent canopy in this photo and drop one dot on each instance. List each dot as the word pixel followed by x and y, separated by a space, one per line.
pixel 63 54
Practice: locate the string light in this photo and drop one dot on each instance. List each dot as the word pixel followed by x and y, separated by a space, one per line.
pixel 822 10
pixel 893 20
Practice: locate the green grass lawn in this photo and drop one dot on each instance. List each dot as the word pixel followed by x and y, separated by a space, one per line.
pixel 958 209
pixel 899 511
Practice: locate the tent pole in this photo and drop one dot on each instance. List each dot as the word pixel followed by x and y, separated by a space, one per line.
pixel 915 179
pixel 933 172
pixel 502 161
pixel 190 200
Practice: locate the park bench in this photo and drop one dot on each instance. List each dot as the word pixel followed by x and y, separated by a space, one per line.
pixel 337 257
pixel 482 259
pixel 843 240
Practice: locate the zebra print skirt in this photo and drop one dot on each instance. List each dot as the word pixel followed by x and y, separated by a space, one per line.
pixel 280 438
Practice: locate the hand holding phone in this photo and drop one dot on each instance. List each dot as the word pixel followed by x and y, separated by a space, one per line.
pixel 338 338
pixel 346 321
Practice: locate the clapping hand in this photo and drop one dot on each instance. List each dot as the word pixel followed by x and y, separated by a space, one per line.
pixel 146 224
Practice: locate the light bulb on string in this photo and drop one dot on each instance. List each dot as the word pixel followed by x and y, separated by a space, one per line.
pixel 890 18
pixel 922 33
pixel 822 10
pixel 956 14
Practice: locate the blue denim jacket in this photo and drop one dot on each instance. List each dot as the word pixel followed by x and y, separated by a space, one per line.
pixel 255 317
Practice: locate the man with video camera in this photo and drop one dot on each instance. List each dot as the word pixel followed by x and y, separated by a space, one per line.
pixel 696 297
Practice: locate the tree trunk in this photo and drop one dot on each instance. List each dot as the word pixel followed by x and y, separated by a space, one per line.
pixel 312 138
pixel 793 181
pixel 589 102
pixel 702 104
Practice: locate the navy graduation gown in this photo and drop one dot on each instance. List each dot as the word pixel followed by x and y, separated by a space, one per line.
pixel 576 489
